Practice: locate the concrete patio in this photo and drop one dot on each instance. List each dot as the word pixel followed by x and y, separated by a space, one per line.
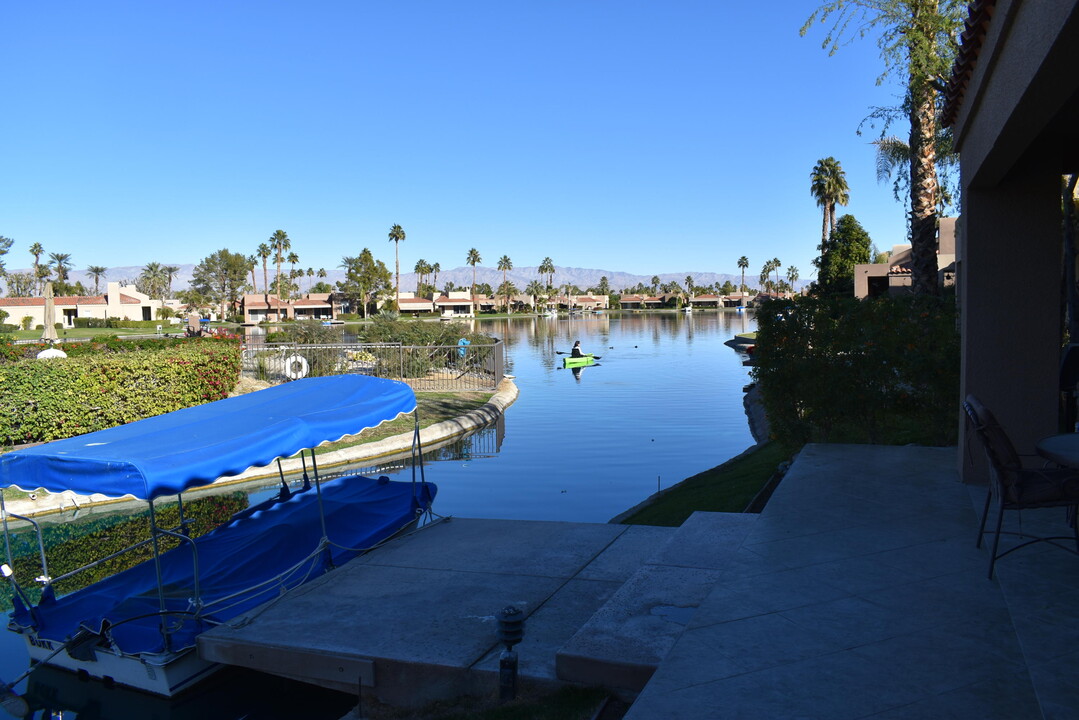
pixel 857 593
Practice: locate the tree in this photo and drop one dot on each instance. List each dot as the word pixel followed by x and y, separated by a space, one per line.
pixel 535 289
pixel 776 265
pixel 507 290
pixel 20 285
pixel 61 263
pixel 792 276
pixel 689 285
pixel 5 246
pixel 547 268
pixel 151 281
pixel 37 251
pixel 365 278
pixel 604 287
pixel 421 269
pixel 280 244
pixel 828 184
pixel 253 262
pixel 505 265
pixel 919 39
pixel 293 258
pixel 847 246
pixel 743 263
pixel 473 259
pixel 397 236
pixel 435 270
pixel 171 271
pixel 220 278
pixel 655 284
pixel 264 252
pixel 97 272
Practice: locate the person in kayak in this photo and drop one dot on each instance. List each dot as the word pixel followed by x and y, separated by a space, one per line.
pixel 576 351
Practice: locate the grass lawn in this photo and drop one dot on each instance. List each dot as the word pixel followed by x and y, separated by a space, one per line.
pixel 92 332
pixel 433 407
pixel 727 488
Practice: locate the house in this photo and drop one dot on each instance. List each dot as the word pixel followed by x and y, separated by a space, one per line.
pixel 641 302
pixel 408 303
pixel 260 307
pixel 707 300
pixel 1013 106
pixel 894 276
pixel 123 302
pixel 456 303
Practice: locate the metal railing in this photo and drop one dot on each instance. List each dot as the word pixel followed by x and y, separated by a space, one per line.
pixel 426 368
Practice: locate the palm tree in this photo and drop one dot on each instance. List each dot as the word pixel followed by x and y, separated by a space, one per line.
pixel 505 265
pixel 280 243
pixel 171 271
pixel 792 275
pixel 535 288
pixel 655 284
pixel 435 269
pixel 689 285
pixel 310 274
pixel 37 251
pixel 547 268
pixel 421 269
pixel 775 266
pixel 828 184
pixel 97 272
pixel 253 262
pixel 743 263
pixel 473 259
pixel 292 258
pixel 397 236
pixel 264 252
pixel 62 263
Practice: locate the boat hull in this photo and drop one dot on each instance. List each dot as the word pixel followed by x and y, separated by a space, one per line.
pixel 569 362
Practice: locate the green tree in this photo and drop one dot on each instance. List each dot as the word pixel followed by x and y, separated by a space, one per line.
pixel 776 265
pixel 535 289
pixel 505 265
pixel 5 246
pixel 61 263
pixel 280 244
pixel 220 278
pixel 828 184
pixel 917 38
pixel 847 246
pixel 97 272
pixel 473 258
pixel 37 251
pixel 547 268
pixel 435 270
pixel 152 280
pixel 293 258
pixel 20 285
pixel 604 287
pixel 421 269
pixel 365 279
pixel 397 236
pixel 171 271
pixel 264 253
pixel 507 290
pixel 792 276
pixel 743 263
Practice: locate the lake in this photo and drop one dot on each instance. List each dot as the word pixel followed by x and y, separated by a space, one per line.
pixel 663 403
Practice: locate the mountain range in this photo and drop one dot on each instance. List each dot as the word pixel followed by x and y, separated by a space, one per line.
pixel 460 276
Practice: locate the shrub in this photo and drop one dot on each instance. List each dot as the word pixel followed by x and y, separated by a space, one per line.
pixel 47 400
pixel 26 322
pixel 837 369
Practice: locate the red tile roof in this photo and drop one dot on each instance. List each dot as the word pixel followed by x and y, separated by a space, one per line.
pixel 310 303
pixel 979 14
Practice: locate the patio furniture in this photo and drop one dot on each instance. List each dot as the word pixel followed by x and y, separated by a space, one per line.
pixel 1018 488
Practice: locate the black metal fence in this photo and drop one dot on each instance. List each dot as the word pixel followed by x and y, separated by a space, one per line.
pixel 429 368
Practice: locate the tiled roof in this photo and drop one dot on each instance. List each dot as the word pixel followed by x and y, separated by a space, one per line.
pixel 443 300
pixel 979 13
pixel 22 302
pixel 62 301
pixel 413 301
pixel 310 303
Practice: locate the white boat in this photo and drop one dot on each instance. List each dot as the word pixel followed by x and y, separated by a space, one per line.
pixel 139 626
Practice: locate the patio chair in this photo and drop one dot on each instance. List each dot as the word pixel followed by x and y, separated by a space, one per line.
pixel 1018 488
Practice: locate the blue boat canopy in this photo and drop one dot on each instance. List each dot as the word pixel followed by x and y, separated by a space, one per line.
pixel 167 454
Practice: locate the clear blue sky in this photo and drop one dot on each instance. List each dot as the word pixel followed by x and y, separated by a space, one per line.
pixel 645 137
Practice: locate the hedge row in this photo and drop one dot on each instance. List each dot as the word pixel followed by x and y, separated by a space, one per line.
pixel 50 399
pixel 838 369
pixel 104 345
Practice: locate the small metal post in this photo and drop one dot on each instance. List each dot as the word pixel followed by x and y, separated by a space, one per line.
pixel 511 630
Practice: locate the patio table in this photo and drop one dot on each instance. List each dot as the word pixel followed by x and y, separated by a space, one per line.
pixel 1061 449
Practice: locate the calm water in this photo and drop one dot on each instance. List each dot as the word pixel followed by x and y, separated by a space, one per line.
pixel 664 402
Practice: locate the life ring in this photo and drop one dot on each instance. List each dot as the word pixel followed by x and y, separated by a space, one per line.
pixel 296 367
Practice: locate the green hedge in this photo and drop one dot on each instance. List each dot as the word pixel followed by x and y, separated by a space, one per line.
pixel 838 369
pixel 113 322
pixel 50 399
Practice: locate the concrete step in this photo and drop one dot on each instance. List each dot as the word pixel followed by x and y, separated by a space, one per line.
pixel 625 640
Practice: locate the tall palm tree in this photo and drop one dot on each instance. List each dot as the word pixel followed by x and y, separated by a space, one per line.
pixel 689 285
pixel 397 236
pixel 435 270
pixel 293 258
pixel 505 265
pixel 776 265
pixel 62 263
pixel 743 263
pixel 535 288
pixel 547 268
pixel 655 284
pixel 171 271
pixel 37 251
pixel 253 262
pixel 792 275
pixel 421 269
pixel 280 244
pixel 97 272
pixel 473 259
pixel 264 252
pixel 310 274
pixel 828 185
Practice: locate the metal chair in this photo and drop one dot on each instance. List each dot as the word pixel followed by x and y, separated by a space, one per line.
pixel 1019 488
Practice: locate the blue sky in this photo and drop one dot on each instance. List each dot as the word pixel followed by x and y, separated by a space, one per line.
pixel 646 137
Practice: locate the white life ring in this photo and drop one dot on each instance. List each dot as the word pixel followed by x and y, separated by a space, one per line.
pixel 296 367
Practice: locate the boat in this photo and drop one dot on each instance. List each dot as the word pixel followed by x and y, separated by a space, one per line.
pixel 687 310
pixel 583 361
pixel 139 627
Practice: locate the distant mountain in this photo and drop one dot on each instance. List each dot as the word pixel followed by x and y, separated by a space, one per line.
pixel 461 276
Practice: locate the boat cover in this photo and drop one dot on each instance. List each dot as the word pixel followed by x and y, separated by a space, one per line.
pixel 255 546
pixel 166 454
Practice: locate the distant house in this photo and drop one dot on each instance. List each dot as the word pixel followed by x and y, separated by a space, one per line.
pixel 894 276
pixel 123 302
pixel 407 302
pixel 456 303
pixel 260 307
pixel 641 302
pixel 706 301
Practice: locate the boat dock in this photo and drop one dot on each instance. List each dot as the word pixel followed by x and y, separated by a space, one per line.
pixel 857 593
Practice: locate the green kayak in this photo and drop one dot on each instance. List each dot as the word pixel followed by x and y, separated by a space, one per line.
pixel 583 361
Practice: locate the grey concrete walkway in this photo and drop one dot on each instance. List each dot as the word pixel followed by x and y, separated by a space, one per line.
pixel 859 593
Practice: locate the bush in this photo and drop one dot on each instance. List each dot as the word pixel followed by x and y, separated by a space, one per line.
pixel 26 322
pixel 838 369
pixel 50 399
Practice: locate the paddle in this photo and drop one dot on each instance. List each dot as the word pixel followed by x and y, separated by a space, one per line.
pixel 559 352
